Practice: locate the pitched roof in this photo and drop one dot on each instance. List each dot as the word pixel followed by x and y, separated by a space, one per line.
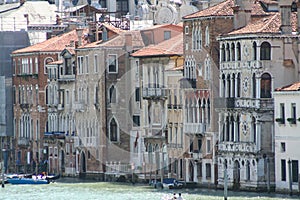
pixel 224 9
pixel 119 41
pixel 291 87
pixel 55 44
pixel 173 46
pixel 267 24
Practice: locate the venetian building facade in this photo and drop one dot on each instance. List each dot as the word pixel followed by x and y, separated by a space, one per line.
pixel 153 62
pixel 176 139
pixel 251 66
pixel 30 101
pixel 60 130
pixel 200 86
pixel 287 119
pixel 108 85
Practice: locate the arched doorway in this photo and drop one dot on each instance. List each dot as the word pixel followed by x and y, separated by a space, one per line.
pixel 62 162
pixel 82 163
pixel 236 175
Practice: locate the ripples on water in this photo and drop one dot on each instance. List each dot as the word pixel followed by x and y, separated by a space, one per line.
pixel 112 191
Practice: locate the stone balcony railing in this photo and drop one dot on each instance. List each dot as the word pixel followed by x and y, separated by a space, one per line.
pixel 155 93
pixel 79 106
pixel 118 168
pixel 246 147
pixel 194 128
pixel 244 103
pixel 23 141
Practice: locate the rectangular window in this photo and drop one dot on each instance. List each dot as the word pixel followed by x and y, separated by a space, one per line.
pixel 208 146
pixel 87 64
pixel 283 170
pixel 36 64
pixel 186 29
pixel 80 64
pixel 282 147
pixel 293 112
pixel 136 120
pixel 282 113
pixel 208 170
pixel 112 64
pixel 199 145
pixel 30 66
pixel 67 148
pixel 295 171
pixel 167 35
pixel 96 63
pixel 137 94
pixel 14 67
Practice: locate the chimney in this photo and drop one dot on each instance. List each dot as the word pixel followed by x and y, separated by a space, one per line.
pixel 128 41
pixel 79 32
pixel 242 13
pixel 285 7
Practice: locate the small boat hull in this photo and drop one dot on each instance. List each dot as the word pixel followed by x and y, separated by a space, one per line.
pixel 16 181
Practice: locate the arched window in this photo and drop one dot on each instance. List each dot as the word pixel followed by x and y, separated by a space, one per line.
pixel 233 85
pixel 254 47
pixel 253 86
pixel 208 112
pixel 248 171
pixel 232 128
pixel 232 52
pixel 228 85
pixel 112 94
pixel 238 85
pixel 223 85
pixel 265 51
pixel 207 36
pixel 238 51
pixel 113 128
pixel 47 94
pixel 253 129
pixel 223 54
pixel 265 86
pixel 237 139
pixel 227 53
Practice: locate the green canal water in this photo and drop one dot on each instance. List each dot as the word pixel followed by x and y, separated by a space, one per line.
pixel 74 190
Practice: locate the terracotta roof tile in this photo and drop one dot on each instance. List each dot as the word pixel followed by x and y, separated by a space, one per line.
pixel 224 9
pixel 173 46
pixel 268 24
pixel 119 41
pixel 292 87
pixel 55 44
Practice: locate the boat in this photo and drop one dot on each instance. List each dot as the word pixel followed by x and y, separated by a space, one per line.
pixel 52 177
pixel 17 180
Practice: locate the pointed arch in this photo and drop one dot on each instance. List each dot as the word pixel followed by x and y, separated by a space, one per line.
pixel 113 130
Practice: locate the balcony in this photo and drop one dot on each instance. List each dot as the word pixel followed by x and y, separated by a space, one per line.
pixel 243 103
pixel 243 147
pixel 194 128
pixel 24 106
pixel 60 106
pixel 66 78
pixel 224 103
pixel 23 141
pixel 155 93
pixel 79 106
pixel 118 168
pixel 197 155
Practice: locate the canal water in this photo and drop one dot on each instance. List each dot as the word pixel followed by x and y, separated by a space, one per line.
pixel 72 189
